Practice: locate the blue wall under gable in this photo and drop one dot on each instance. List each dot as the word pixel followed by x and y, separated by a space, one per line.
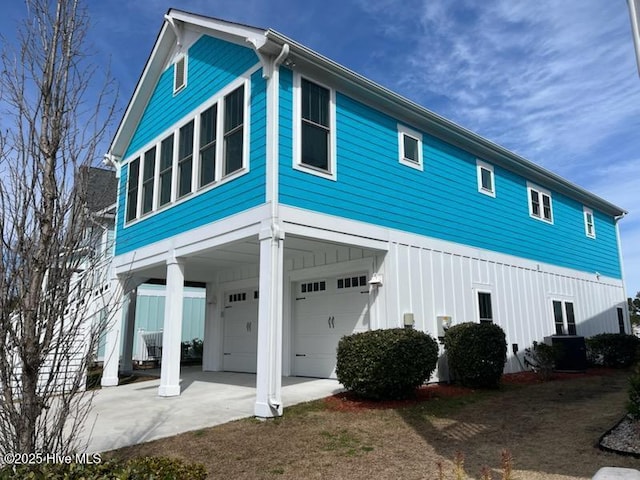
pixel 443 200
pixel 239 194
pixel 212 64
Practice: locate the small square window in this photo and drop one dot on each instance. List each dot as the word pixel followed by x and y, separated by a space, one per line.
pixel 340 283
pixel 486 181
pixel 410 147
pixel 589 223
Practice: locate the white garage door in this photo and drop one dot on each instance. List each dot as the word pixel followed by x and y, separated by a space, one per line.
pixel 241 330
pixel 326 309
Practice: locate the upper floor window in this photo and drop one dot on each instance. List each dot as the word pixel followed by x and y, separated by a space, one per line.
pixel 166 169
pixel 148 175
pixel 564 318
pixel 314 137
pixel 185 159
pixel 589 223
pixel 132 189
pixel 486 181
pixel 540 206
pixel 233 131
pixel 208 128
pixel 209 149
pixel 179 74
pixel 410 147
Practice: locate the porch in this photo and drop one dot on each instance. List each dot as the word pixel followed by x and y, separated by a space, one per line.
pixel 134 413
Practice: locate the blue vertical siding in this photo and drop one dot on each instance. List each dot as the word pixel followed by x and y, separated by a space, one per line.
pixel 443 200
pixel 240 194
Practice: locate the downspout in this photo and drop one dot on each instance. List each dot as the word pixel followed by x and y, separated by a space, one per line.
pixel 619 242
pixel 271 73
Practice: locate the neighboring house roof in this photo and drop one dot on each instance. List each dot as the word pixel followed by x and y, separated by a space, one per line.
pixel 102 189
pixel 269 42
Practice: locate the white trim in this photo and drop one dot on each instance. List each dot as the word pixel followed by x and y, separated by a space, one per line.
pixel 480 165
pixel 531 187
pixel 194 115
pixel 332 174
pixel 183 57
pixel 564 299
pixel 585 213
pixel 236 227
pixel 402 131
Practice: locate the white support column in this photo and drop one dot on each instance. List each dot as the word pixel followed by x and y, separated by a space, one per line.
pixel 112 337
pixel 129 330
pixel 269 361
pixel 172 332
pixel 212 355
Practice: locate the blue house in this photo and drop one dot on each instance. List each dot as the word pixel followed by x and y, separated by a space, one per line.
pixel 314 203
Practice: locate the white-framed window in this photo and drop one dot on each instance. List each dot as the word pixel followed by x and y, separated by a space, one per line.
pixel 589 222
pixel 132 189
pixel 206 149
pixel 564 317
pixel 410 147
pixel 486 179
pixel 179 74
pixel 314 129
pixel 540 203
pixel 483 297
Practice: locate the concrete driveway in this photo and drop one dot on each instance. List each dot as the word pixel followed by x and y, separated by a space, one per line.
pixel 134 413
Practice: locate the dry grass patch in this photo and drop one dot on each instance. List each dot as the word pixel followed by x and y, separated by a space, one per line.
pixel 551 430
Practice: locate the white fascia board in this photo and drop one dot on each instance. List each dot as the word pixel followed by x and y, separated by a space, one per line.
pixel 414 114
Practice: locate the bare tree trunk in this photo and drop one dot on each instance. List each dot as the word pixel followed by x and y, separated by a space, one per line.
pixel 47 274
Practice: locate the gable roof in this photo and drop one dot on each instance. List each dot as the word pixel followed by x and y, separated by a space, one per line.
pixel 270 42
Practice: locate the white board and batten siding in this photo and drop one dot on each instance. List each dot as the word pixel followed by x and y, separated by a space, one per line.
pixel 430 278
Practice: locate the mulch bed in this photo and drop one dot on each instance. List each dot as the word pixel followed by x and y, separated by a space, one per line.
pixel 349 402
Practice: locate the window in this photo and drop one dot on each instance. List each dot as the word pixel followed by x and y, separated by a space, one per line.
pixel 352 282
pixel 166 169
pixel 621 320
pixel 179 74
pixel 313 287
pixel 148 175
pixel 233 130
pixel 589 223
pixel 314 128
pixel 208 127
pixel 185 159
pixel 132 189
pixel 540 203
pixel 564 318
pixel 485 312
pixel 486 183
pixel 206 150
pixel 410 147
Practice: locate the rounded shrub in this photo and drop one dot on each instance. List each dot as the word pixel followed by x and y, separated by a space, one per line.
pixel 386 364
pixel 476 353
pixel 616 350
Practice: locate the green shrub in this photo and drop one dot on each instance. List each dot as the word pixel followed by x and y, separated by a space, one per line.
pixel 143 468
pixel 386 364
pixel 476 353
pixel 542 358
pixel 633 404
pixel 616 350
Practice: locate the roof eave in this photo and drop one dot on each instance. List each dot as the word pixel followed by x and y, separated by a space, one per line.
pixel 448 130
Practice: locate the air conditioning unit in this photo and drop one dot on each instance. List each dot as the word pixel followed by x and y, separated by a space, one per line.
pixel 572 352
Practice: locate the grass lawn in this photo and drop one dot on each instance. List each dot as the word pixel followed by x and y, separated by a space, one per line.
pixel 551 430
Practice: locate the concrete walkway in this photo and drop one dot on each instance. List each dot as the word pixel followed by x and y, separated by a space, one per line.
pixel 134 413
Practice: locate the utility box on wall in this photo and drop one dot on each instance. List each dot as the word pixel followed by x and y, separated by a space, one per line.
pixel 408 319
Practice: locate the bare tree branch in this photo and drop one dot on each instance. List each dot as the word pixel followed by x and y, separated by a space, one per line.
pixel 51 277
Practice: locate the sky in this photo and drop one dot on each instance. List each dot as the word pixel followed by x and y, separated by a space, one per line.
pixel 552 80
